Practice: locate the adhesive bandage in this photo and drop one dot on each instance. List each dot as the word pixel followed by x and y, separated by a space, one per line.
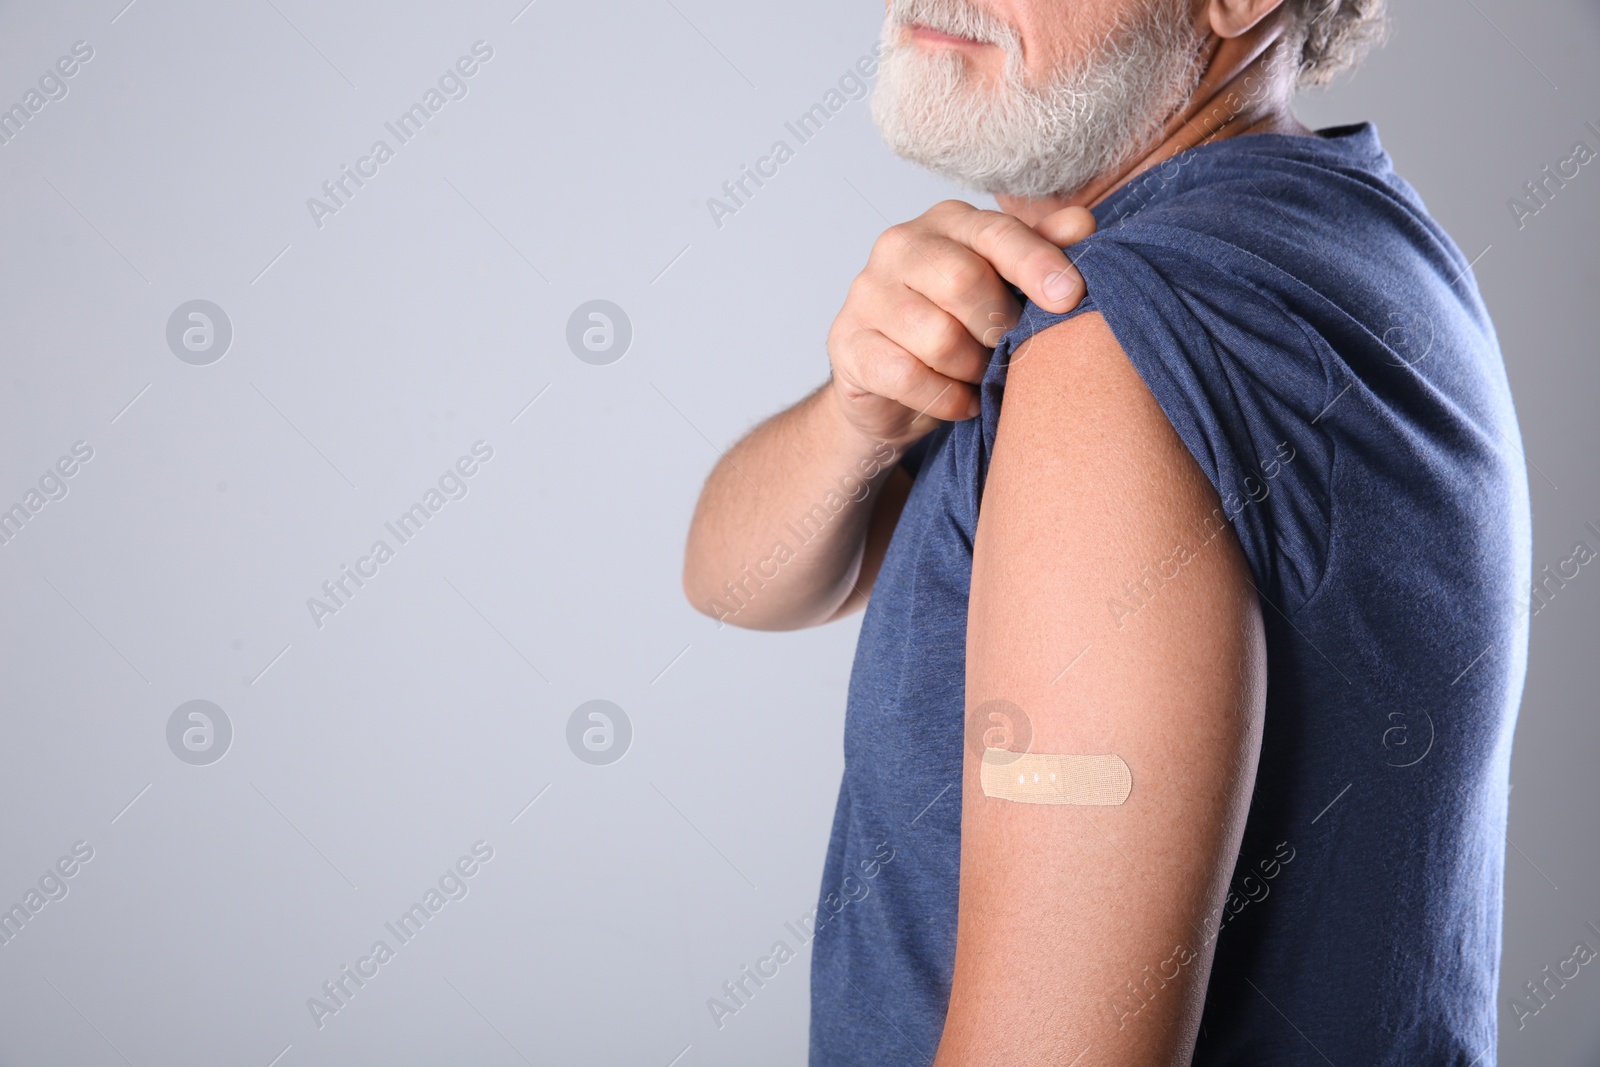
pixel 1046 778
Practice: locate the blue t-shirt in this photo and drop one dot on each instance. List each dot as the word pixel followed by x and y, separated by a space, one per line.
pixel 1319 345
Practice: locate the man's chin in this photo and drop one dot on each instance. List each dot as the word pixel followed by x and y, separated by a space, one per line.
pixel 936 111
pixel 994 132
pixel 986 166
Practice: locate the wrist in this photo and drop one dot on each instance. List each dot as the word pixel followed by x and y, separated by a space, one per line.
pixel 853 448
pixel 853 438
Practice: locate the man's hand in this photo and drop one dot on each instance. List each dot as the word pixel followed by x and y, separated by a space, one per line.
pixel 915 331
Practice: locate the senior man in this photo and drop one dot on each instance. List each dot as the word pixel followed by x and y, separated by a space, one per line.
pixel 1181 714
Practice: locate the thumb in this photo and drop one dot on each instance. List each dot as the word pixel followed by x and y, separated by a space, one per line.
pixel 1067 226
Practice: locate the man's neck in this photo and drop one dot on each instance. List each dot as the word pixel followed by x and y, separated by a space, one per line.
pixel 1245 88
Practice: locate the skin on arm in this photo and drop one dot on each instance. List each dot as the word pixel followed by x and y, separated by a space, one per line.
pixel 781 478
pixel 1062 907
pixel 793 523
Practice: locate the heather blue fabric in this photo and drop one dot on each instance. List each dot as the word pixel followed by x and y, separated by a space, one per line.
pixel 1319 345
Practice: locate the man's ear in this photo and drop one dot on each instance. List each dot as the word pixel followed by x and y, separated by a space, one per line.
pixel 1231 18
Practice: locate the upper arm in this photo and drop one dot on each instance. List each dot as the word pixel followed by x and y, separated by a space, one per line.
pixel 1065 910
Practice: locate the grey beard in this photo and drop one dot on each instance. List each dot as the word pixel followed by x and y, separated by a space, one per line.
pixel 1018 140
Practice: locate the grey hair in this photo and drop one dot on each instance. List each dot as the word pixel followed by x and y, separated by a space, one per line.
pixel 1334 35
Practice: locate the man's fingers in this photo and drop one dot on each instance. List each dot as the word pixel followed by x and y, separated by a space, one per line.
pixel 990 321
pixel 937 338
pixel 921 318
pixel 1067 226
pixel 1023 257
pixel 961 282
pixel 888 370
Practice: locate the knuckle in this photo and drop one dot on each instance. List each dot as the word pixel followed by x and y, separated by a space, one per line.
pixel 891 240
pixel 927 330
pixel 997 228
pixel 839 337
pixel 862 288
pixel 914 314
pixel 947 336
pixel 896 374
pixel 844 347
pixel 966 274
pixel 945 210
pixel 865 299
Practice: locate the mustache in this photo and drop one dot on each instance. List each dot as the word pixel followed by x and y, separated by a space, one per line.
pixel 958 18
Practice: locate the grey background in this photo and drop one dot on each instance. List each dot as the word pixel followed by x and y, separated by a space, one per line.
pixel 369 754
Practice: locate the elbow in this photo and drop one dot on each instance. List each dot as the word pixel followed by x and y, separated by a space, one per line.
pixel 695 588
pixel 696 596
pixel 703 596
pixel 734 604
pixel 695 579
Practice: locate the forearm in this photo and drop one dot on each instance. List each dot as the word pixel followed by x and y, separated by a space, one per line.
pixel 778 535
